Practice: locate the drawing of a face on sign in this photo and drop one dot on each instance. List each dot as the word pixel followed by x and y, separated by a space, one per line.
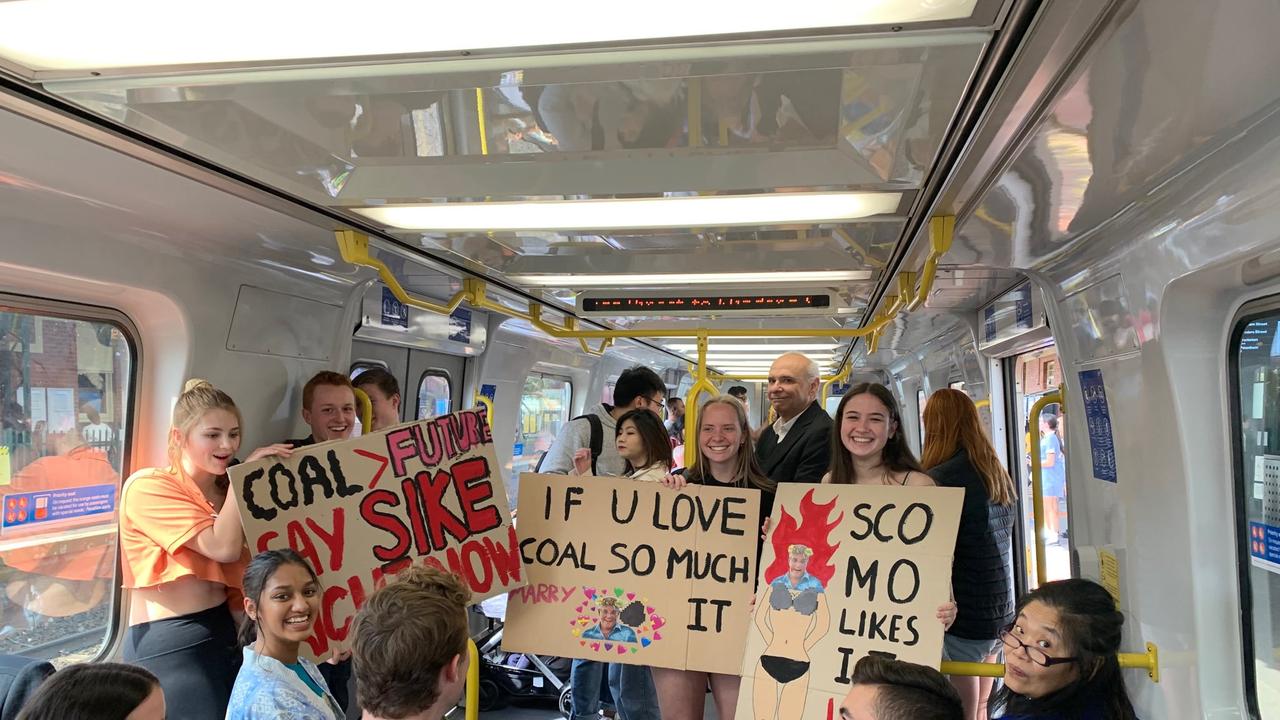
pixel 616 622
pixel 795 616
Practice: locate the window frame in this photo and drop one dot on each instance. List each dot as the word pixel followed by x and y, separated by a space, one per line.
pixel 1247 313
pixel 568 407
pixel 68 310
pixel 417 394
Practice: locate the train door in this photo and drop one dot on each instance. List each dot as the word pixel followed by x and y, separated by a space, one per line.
pixel 1032 375
pixel 430 382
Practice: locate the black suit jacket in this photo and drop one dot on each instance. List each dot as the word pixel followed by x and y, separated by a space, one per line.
pixel 804 454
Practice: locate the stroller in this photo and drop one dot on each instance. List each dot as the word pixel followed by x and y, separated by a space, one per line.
pixel 516 676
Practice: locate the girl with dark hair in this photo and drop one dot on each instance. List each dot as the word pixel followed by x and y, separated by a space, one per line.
pixel 958 454
pixel 1060 656
pixel 643 444
pixel 281 602
pixel 98 691
pixel 183 555
pixel 726 458
pixel 868 446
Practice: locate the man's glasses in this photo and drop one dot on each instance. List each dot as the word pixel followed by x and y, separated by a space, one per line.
pixel 660 404
pixel 1035 654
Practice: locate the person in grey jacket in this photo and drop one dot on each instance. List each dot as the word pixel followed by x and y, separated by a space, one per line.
pixel 637 388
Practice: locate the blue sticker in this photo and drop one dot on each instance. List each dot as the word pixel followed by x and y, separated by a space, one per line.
pixel 46 506
pixel 517 450
pixel 442 406
pixel 1098 418
pixel 989 323
pixel 489 391
pixel 460 325
pixel 394 312
pixel 1264 544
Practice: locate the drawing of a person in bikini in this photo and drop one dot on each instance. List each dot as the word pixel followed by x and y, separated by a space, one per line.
pixel 794 615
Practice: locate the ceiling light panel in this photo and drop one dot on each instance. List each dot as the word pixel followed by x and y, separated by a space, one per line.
pixel 71 35
pixel 678 279
pixel 638 213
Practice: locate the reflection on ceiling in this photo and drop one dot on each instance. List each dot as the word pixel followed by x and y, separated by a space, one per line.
pixel 477 160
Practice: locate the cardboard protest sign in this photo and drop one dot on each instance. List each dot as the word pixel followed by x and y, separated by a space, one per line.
pixel 848 570
pixel 362 510
pixel 632 572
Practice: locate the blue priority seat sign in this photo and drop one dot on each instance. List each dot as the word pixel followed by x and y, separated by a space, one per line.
pixel 49 506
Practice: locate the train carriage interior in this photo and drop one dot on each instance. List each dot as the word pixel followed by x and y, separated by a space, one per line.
pixel 1066 210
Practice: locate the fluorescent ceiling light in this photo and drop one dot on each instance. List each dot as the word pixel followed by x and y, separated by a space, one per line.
pixel 763 357
pixel 97 35
pixel 777 348
pixel 686 211
pixel 652 279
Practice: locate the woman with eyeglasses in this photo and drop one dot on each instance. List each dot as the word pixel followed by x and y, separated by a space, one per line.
pixel 1060 657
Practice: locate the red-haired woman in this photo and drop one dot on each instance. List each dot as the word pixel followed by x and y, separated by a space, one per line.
pixel 958 454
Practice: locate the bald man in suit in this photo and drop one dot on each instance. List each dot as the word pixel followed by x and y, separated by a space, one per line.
pixel 797 446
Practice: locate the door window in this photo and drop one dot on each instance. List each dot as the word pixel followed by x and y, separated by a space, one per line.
pixel 1255 357
pixel 434 395
pixel 65 384
pixel 545 405
pixel 1031 382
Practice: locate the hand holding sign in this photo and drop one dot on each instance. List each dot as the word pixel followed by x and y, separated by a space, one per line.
pixel 361 510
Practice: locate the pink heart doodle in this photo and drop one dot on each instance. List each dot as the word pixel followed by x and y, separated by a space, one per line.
pixel 589 592
pixel 631 596
pixel 657 636
pixel 649 610
pixel 595 646
pixel 657 622
pixel 622 650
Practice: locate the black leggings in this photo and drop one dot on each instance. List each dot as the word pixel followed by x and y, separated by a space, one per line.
pixel 196 658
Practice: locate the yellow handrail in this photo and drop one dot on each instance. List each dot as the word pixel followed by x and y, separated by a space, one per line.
pixel 488 408
pixel 473 681
pixel 941 231
pixel 701 384
pixel 1037 481
pixel 366 410
pixel 1149 661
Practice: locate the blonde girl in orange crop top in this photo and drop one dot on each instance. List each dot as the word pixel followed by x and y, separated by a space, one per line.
pixel 183 556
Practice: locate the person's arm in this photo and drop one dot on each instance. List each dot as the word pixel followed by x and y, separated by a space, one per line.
pixel 575 435
pixel 224 540
pixel 822 623
pixel 815 458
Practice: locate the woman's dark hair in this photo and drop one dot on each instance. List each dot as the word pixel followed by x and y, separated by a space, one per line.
pixel 1091 628
pixel 657 443
pixel 896 455
pixel 91 691
pixel 259 571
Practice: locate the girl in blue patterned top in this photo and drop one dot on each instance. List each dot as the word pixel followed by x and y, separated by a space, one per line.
pixel 281 601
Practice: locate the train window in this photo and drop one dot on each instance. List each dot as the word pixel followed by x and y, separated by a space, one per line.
pixel 434 394
pixel 1255 357
pixel 65 385
pixel 545 405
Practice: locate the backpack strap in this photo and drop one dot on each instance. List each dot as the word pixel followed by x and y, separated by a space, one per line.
pixel 597 440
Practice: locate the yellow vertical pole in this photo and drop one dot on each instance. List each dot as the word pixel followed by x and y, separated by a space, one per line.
pixel 484 134
pixel 473 681
pixel 366 411
pixel 1037 479
pixel 694 101
pixel 700 384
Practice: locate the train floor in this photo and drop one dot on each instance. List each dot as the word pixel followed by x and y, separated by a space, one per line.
pixel 549 712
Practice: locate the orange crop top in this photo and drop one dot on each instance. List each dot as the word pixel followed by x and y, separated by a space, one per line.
pixel 159 513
